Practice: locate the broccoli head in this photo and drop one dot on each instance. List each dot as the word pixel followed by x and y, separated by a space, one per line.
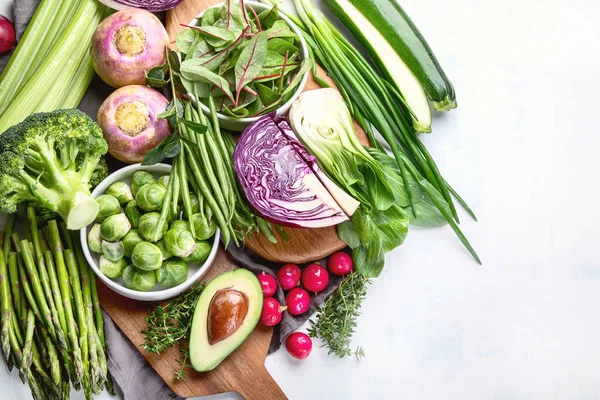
pixel 51 159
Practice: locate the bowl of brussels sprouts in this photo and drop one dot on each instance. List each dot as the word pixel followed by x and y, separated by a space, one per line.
pixel 143 245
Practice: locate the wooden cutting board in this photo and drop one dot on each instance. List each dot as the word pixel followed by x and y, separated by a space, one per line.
pixel 304 245
pixel 243 371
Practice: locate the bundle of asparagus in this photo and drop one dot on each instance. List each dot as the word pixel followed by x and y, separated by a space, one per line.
pixel 51 323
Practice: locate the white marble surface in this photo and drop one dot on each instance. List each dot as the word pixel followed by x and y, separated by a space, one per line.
pixel 521 148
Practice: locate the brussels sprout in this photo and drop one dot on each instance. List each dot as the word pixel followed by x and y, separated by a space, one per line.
pixel 164 180
pixel 203 228
pixel 195 204
pixel 180 225
pixel 148 224
pixel 180 242
pixel 130 240
pixel 137 279
pixel 139 179
pixel 109 205
pixel 146 256
pixel 113 251
pixel 113 270
pixel 150 197
pixel 115 227
pixel 121 191
pixel 133 213
pixel 163 249
pixel 94 239
pixel 172 273
pixel 200 254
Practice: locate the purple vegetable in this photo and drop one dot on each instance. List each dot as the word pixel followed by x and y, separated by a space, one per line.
pixel 7 35
pixel 130 123
pixel 148 5
pixel 283 182
pixel 126 45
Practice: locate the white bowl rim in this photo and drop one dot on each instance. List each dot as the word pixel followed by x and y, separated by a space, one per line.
pixel 303 49
pixel 134 294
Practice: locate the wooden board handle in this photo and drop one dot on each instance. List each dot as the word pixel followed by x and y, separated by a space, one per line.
pixel 264 388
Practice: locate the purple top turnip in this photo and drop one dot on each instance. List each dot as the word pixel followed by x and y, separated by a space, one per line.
pixel 126 44
pixel 130 123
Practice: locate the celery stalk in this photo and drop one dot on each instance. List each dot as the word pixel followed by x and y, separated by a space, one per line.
pixel 79 84
pixel 50 72
pixel 29 53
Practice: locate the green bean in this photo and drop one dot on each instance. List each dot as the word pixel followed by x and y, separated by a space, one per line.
pixel 180 167
pixel 176 188
pixel 165 211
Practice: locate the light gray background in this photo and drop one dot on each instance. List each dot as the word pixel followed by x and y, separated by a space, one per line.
pixel 522 149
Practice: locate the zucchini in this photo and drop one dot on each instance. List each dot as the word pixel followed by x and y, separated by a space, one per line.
pixel 381 25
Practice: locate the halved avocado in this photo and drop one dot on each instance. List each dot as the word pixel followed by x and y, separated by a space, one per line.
pixel 226 313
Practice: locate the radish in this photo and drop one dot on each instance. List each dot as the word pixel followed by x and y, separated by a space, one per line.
pixel 297 301
pixel 299 345
pixel 268 284
pixel 340 263
pixel 272 312
pixel 289 276
pixel 315 278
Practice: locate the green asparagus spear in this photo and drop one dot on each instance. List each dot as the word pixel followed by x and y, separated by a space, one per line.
pixel 8 231
pixel 27 356
pixel 49 261
pixel 72 268
pixel 97 311
pixel 6 306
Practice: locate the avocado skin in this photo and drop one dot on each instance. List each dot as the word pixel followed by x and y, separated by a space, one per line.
pixel 204 356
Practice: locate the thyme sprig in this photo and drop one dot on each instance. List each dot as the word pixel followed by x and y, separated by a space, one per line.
pixel 335 320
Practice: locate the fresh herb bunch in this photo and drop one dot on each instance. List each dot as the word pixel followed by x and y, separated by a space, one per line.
pixel 249 62
pixel 336 318
pixel 169 324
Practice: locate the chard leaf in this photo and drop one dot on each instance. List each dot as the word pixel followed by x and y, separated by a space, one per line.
pixel 202 89
pixel 267 95
pixel 215 61
pixel 216 36
pixel 280 46
pixel 268 17
pixel 254 107
pixel 280 29
pixel 210 16
pixel 200 49
pixel 185 39
pixel 190 70
pixel 305 66
pixel 250 62
pixel 231 16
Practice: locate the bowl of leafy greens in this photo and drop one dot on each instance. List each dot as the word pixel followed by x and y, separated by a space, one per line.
pixel 247 57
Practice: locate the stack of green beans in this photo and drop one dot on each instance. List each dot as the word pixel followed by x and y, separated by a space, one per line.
pixel 51 326
pixel 206 163
pixel 375 103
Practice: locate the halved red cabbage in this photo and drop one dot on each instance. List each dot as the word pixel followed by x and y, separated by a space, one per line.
pixel 282 182
pixel 148 5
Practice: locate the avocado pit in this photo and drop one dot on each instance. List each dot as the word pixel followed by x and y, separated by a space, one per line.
pixel 226 313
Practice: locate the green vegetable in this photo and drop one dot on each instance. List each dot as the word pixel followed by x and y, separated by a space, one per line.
pixel 200 253
pixel 163 249
pixel 72 145
pixel 204 228
pixel 53 41
pixel 133 213
pixel 147 227
pixel 115 227
pixel 95 239
pixel 146 256
pixel 399 49
pixel 113 251
pixel 130 241
pixel 139 179
pixel 121 191
pixel 150 197
pixel 164 180
pixel 172 273
pixel 112 269
pixel 109 205
pixel 180 242
pixel 137 279
pixel 180 225
pixel 194 205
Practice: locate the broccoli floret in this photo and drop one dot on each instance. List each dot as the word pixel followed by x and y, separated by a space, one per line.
pixel 100 173
pixel 50 159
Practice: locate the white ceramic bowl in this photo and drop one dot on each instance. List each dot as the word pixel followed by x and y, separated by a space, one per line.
pixel 195 271
pixel 239 124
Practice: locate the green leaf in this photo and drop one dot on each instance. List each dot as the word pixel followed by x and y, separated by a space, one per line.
pixel 195 126
pixel 179 84
pixel 210 16
pixel 280 29
pixel 173 59
pixel 369 259
pixel 305 66
pixel 250 62
pixel 185 39
pixel 231 16
pixel 168 148
pixel 214 61
pixel 348 234
pixel 268 17
pixel 190 70
pixel 280 46
pixel 202 89
pixel 200 48
pixel 156 77
pixel 267 95
pixel 393 226
pixel 216 36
